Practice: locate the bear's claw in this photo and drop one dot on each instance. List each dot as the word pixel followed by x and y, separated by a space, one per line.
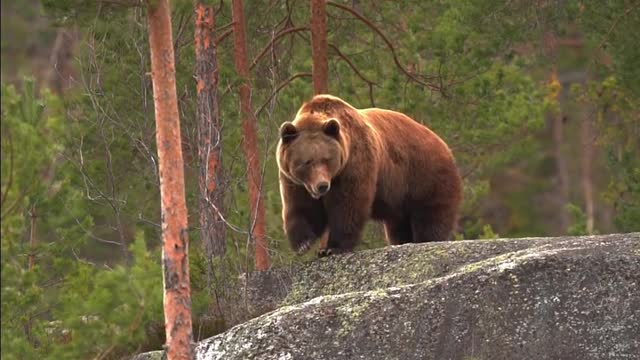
pixel 329 251
pixel 303 247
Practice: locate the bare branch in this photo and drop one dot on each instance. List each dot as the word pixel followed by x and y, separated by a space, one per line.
pixel 273 41
pixel 125 3
pixel 615 23
pixel 94 237
pixel 389 45
pixel 147 221
pixel 351 65
pixel 223 36
pixel 370 83
pixel 219 9
pixel 79 259
pixel 277 89
pixel 182 26
pixel 225 26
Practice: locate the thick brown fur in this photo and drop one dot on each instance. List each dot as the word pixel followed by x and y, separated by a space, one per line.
pixel 341 166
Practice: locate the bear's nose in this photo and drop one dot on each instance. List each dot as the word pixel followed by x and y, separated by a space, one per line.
pixel 322 188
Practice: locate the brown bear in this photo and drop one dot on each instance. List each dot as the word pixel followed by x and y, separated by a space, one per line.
pixel 341 166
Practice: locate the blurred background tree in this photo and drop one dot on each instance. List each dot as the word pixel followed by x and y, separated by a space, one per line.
pixel 538 100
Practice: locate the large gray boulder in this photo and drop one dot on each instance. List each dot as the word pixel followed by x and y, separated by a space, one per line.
pixel 534 298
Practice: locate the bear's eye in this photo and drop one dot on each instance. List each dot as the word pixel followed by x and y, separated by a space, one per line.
pixel 303 164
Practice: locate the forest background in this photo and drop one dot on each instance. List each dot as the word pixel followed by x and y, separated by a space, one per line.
pixel 539 101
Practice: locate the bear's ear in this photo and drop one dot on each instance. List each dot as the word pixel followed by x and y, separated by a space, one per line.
pixel 331 127
pixel 288 132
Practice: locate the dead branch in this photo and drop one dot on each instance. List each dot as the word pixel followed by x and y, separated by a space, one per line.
pixel 273 41
pixel 223 36
pixel 351 65
pixel 615 23
pixel 219 9
pixel 182 27
pixel 123 3
pixel 387 42
pixel 370 83
pixel 224 27
pixel 277 89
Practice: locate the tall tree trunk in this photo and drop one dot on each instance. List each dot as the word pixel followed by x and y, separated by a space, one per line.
pixel 586 138
pixel 212 227
pixel 60 71
pixel 320 68
pixel 562 170
pixel 319 47
pixel 175 241
pixel 250 146
pixel 557 129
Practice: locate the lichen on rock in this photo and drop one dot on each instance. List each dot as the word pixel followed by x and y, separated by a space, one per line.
pixel 542 298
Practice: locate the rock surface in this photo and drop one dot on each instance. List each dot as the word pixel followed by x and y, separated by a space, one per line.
pixel 152 355
pixel 534 298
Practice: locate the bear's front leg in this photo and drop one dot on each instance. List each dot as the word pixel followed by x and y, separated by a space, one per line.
pixel 304 218
pixel 347 212
pixel 302 231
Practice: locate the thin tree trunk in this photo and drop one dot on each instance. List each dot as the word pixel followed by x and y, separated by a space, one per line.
pixel 586 138
pixel 557 130
pixel 212 227
pixel 60 72
pixel 320 68
pixel 32 237
pixel 250 146
pixel 319 46
pixel 175 241
pixel 209 133
pixel 562 171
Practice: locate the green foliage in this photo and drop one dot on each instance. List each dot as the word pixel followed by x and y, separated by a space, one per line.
pixel 72 12
pixel 487 233
pixel 60 308
pixel 618 123
pixel 624 190
pixel 33 193
pixel 579 226
pixel 613 25
pixel 88 166
pixel 35 178
pixel 108 310
pixel 22 300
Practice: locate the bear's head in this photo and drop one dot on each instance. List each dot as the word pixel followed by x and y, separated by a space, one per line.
pixel 312 152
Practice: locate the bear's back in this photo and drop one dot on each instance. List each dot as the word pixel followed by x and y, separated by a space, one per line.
pixel 398 129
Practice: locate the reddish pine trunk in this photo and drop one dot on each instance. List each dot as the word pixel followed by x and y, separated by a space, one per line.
pixel 212 228
pixel 175 242
pixel 250 144
pixel 320 69
pixel 319 47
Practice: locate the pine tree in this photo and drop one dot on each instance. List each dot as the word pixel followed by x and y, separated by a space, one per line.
pixel 175 241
